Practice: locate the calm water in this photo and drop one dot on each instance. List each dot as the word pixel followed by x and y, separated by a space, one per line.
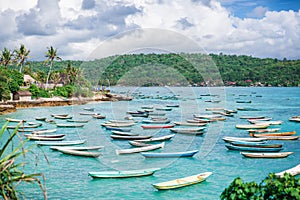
pixel 67 176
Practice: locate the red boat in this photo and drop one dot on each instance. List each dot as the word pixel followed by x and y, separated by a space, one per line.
pixel 158 126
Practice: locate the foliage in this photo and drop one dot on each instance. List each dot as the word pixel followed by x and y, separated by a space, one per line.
pixel 21 55
pixel 51 55
pixel 10 81
pixel 38 92
pixel 6 57
pixel 11 174
pixel 65 91
pixel 272 187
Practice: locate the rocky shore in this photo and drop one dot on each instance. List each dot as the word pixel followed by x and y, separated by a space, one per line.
pixel 12 106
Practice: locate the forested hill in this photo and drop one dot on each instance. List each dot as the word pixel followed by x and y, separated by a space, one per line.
pixel 183 69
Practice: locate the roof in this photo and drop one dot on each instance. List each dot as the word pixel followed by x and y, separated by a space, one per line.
pixel 28 79
pixel 24 93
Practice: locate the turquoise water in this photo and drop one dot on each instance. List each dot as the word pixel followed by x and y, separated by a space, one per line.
pixel 67 176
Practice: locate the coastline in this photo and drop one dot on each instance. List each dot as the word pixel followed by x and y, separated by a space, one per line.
pixel 12 106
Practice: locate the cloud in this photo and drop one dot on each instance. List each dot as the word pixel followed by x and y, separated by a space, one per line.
pixel 76 27
pixel 258 12
pixel 88 4
pixel 43 19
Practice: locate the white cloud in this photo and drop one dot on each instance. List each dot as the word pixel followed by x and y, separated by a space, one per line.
pixel 75 31
pixel 258 12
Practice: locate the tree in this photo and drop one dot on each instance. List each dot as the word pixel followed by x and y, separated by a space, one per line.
pixel 6 57
pixel 272 187
pixel 51 55
pixel 21 55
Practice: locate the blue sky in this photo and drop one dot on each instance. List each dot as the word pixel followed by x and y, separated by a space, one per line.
pixel 78 28
pixel 242 8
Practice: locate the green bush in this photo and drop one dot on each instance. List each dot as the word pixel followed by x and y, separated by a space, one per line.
pixel 271 188
pixel 38 92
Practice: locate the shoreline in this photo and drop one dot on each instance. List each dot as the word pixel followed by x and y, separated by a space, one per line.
pixel 12 106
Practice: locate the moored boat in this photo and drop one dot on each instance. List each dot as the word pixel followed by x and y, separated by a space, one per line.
pixel 189 131
pixel 248 139
pixel 14 120
pixel 254 149
pixel 124 133
pixel 268 130
pixel 37 132
pixel 251 126
pixel 255 144
pixel 189 124
pixel 57 137
pixel 288 137
pixel 157 139
pixel 78 120
pixel 148 121
pixel 292 171
pixel 130 137
pixel 140 149
pixel 181 182
pixel 169 154
pixel 71 125
pixel 74 152
pixel 157 126
pixel 266 155
pixel 123 174
pixel 294 119
pixel 62 117
pixel 136 143
pixel 98 116
pixel 79 148
pixel 60 143
pixel 289 133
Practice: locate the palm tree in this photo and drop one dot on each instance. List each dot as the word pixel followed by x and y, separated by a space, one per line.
pixel 51 55
pixel 21 55
pixel 6 57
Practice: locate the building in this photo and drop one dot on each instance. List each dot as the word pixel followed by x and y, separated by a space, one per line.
pixel 22 96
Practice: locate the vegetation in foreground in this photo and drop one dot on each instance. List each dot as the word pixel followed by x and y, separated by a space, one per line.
pixel 13 150
pixel 272 187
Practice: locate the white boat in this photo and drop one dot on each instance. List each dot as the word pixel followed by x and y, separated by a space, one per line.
pixel 80 152
pixel 140 149
pixel 266 154
pixel 57 137
pixel 247 139
pixel 293 171
pixel 79 148
pixel 123 174
pixel 157 139
pixel 181 182
pixel 60 143
pixel 37 132
pixel 252 126
pixel 14 120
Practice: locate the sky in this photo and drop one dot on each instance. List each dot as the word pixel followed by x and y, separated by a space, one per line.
pixel 89 29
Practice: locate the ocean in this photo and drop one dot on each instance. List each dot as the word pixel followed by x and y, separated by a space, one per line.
pixel 67 176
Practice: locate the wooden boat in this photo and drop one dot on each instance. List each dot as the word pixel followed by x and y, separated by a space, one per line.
pixel 87 113
pixel 273 134
pixel 140 149
pixel 58 137
pixel 41 118
pixel 14 120
pixel 118 124
pixel 156 114
pixel 136 143
pixel 98 116
pixel 252 121
pixel 169 154
pixel 153 121
pixel 189 124
pixel 124 129
pixel 254 149
pixel 79 148
pixel 255 144
pixel 89 109
pixel 294 119
pixel 124 133
pixel 79 152
pixel 240 101
pixel 123 174
pixel 157 139
pixel 164 108
pixel 198 120
pixel 62 117
pixel 251 126
pixel 181 182
pixel 248 139
pixel 223 113
pixel 248 109
pixel 69 125
pixel 207 116
pixel 247 142
pixel 266 155
pixel 60 143
pixel 22 126
pixel 278 122
pixel 34 124
pixel 121 121
pixel 252 117
pixel 214 109
pixel 278 137
pixel 187 130
pixel 157 126
pixel 292 171
pixel 268 130
pixel 172 105
pixel 78 120
pixel 131 137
